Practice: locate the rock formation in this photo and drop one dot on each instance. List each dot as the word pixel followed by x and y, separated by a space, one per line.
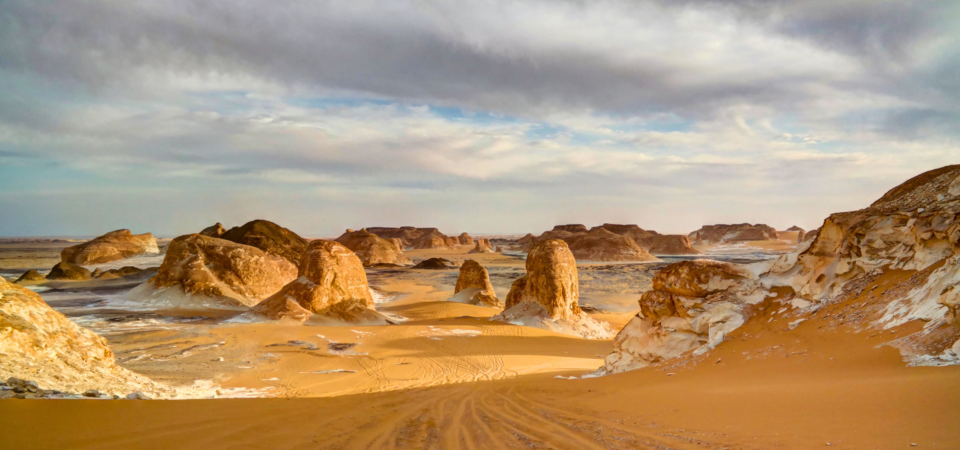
pixel 30 276
pixel 653 242
pixel 409 236
pixel 40 344
pixel 431 240
pixel 602 245
pixel 693 305
pixel 113 246
pixel 465 239
pixel 331 283
pixel 372 249
pixel 215 230
pixel 572 228
pixel 435 264
pixel 548 296
pixel 452 242
pixel 795 228
pixel 67 271
pixel 483 246
pixel 810 235
pixel 800 236
pixel 499 249
pixel 269 237
pixel 125 271
pixel 473 286
pixel 397 243
pixel 229 273
pixel 715 234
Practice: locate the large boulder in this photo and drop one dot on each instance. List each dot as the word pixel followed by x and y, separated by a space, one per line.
pixel 465 239
pixel 67 271
pixel 600 244
pixel 473 286
pixel 30 276
pixel 435 264
pixel 331 283
pixel 42 345
pixel 715 234
pixel 269 237
pixel 215 230
pixel 229 273
pixel 113 246
pixel 549 295
pixel 482 246
pixel 372 249
pixel 692 306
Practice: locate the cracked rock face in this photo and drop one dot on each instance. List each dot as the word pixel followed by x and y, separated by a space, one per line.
pixel 222 270
pixel 42 345
pixel 372 249
pixel 331 283
pixel 548 296
pixel 474 287
pixel 113 246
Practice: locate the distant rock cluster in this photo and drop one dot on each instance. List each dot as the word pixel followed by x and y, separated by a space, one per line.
pixel 717 234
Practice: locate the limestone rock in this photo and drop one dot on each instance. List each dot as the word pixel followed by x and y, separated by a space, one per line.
pixel 800 236
pixel 499 249
pixel 602 245
pixel 125 271
pixel 572 228
pixel 397 243
pixel 435 264
pixel 692 306
pixel 30 276
pixel 810 235
pixel 269 237
pixel 516 292
pixel 452 242
pixel 431 240
pixel 40 344
pixel 215 230
pixel 372 249
pixel 715 234
pixel 331 283
pixel 549 296
pixel 795 228
pixel 465 239
pixel 473 286
pixel 67 271
pixel 483 246
pixel 113 246
pixel 232 274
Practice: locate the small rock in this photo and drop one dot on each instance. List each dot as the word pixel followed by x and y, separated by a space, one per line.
pixel 92 393
pixel 137 396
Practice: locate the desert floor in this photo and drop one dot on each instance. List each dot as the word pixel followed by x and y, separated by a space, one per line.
pixel 449 377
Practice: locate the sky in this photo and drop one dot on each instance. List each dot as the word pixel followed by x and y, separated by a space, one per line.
pixel 493 116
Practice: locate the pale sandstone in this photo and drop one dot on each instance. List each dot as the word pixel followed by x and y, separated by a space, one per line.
pixel 372 249
pixel 113 246
pixel 473 286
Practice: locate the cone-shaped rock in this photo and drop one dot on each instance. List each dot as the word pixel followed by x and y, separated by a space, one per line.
pixel 473 286
pixel 113 246
pixel 30 276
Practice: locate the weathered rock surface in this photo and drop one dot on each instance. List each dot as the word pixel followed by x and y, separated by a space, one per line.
pixel 432 239
pixel 372 249
pixel 229 273
pixel 653 242
pixel 269 237
pixel 113 246
pixel 499 249
pixel 572 228
pixel 473 286
pixel 331 283
pixel 125 271
pixel 482 246
pixel 549 295
pixel 397 243
pixel 465 239
pixel 30 276
pixel 410 235
pixel 67 271
pixel 215 230
pixel 435 264
pixel 810 235
pixel 715 234
pixel 795 228
pixel 692 306
pixel 42 345
pixel 600 244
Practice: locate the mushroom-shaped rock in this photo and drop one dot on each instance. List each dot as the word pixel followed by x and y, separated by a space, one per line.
pixel 465 239
pixel 602 245
pixel 215 230
pixel 30 276
pixel 269 237
pixel 482 246
pixel 473 286
pixel 42 345
pixel 229 273
pixel 113 246
pixel 372 249
pixel 67 271
pixel 692 306
pixel 549 296
pixel 332 283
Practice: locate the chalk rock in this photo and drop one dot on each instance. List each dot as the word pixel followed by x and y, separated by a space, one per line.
pixel 435 264
pixel 397 243
pixel 269 237
pixel 549 296
pixel 40 344
pixel 431 240
pixel 229 273
pixel 693 305
pixel 30 276
pixel 215 230
pixel 483 246
pixel 331 283
pixel 572 228
pixel 113 246
pixel 465 239
pixel 372 249
pixel 473 286
pixel 499 249
pixel 715 234
pixel 600 244
pixel 67 271
pixel 795 228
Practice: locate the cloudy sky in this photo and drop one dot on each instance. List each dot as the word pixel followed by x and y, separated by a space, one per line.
pixel 479 116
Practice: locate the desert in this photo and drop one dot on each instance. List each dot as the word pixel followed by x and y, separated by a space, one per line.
pixel 491 224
